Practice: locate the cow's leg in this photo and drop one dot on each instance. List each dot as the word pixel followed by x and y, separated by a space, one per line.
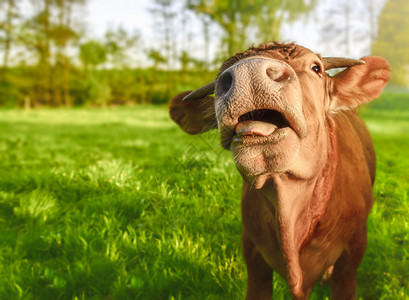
pixel 259 273
pixel 343 279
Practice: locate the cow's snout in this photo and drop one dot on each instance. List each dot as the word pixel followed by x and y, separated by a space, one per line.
pixel 278 73
pixel 261 73
pixel 259 89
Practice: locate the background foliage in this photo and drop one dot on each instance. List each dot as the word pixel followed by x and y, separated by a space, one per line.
pixel 393 39
pixel 49 60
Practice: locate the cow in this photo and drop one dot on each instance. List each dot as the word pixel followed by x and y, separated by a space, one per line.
pixel 306 159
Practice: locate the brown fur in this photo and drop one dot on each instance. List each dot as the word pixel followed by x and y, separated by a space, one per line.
pixel 308 217
pixel 272 49
pixel 193 116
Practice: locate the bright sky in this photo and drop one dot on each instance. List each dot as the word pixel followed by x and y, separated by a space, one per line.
pixel 134 14
pixel 102 14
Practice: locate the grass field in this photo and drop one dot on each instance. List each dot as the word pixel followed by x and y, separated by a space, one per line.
pixel 121 204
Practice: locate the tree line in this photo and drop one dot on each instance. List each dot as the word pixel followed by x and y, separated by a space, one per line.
pixel 49 60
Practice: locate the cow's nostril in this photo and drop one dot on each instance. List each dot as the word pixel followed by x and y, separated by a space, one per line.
pixel 277 74
pixel 224 83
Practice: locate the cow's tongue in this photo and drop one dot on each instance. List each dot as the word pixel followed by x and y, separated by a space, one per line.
pixel 251 127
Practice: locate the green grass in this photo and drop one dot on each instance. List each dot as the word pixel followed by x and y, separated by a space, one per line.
pixel 121 204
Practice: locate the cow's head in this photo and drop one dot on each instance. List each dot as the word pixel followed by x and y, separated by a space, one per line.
pixel 271 105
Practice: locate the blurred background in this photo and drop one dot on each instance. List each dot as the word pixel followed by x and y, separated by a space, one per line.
pixel 102 196
pixel 101 53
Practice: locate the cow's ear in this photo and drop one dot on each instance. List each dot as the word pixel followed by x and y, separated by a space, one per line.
pixel 193 116
pixel 359 84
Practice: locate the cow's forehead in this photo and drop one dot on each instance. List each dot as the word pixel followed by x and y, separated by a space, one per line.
pixel 286 52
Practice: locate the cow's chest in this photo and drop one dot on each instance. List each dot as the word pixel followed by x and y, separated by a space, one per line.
pixel 261 224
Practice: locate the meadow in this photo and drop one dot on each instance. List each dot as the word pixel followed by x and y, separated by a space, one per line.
pixel 119 203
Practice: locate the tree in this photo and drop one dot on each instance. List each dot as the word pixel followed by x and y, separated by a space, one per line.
pixel 165 19
pixel 48 34
pixel 393 39
pixel 275 12
pixel 8 88
pixel 236 18
pixel 122 49
pixel 231 15
pixel 119 44
pixel 63 33
pixel 92 54
pixel 36 36
pixel 94 90
pixel 7 27
pixel 153 73
pixel 165 14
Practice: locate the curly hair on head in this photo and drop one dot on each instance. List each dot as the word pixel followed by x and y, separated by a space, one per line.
pixel 286 50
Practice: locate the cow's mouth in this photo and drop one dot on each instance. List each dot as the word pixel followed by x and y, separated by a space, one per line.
pixel 261 125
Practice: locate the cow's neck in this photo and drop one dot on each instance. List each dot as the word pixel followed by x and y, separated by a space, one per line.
pixel 299 204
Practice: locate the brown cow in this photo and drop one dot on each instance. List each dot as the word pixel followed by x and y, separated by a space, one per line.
pixel 306 159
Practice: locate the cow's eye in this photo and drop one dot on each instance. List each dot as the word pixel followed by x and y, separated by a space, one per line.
pixel 316 68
